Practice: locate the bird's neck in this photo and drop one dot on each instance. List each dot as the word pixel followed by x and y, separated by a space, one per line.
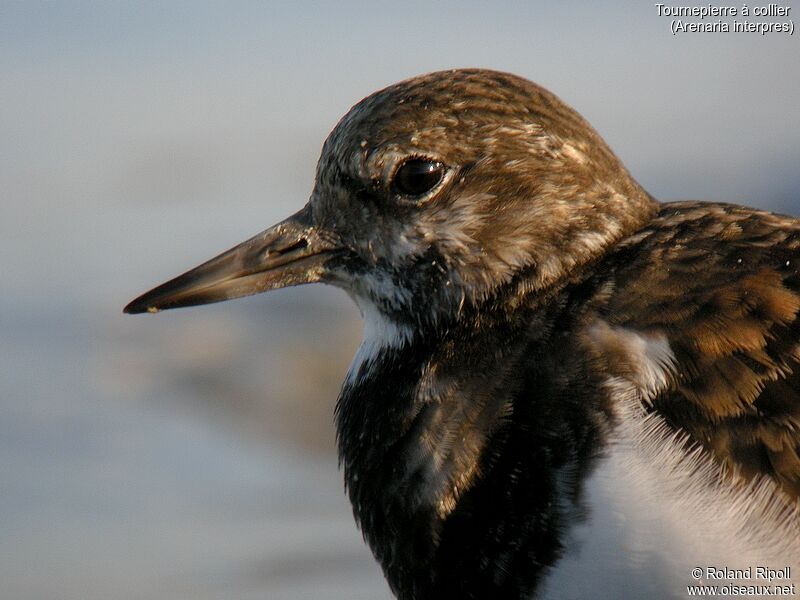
pixel 455 445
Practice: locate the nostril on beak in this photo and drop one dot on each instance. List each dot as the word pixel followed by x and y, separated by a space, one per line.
pixel 300 244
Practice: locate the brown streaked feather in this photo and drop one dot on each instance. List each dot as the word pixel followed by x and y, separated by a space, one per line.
pixel 722 283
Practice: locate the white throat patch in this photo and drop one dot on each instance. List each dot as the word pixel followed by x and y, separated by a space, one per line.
pixel 380 333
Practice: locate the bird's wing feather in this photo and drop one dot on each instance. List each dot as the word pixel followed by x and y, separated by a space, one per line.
pixel 722 284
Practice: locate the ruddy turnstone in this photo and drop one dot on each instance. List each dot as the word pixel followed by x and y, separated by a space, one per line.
pixel 566 389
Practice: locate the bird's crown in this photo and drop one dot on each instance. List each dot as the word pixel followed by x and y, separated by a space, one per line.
pixel 445 186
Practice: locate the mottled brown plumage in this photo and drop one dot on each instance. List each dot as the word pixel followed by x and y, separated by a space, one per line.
pixel 558 371
pixel 723 283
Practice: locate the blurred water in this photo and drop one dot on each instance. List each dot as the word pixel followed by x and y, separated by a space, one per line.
pixel 190 454
pixel 149 462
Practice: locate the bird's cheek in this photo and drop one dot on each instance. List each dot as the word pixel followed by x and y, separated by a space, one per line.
pixel 407 247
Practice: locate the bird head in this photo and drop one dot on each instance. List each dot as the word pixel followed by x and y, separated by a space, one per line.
pixel 436 192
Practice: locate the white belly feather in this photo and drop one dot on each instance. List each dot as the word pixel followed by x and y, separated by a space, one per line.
pixel 656 511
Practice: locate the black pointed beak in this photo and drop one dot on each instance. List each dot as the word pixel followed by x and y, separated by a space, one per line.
pixel 290 253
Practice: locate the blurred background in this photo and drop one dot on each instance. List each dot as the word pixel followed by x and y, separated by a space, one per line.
pixel 190 455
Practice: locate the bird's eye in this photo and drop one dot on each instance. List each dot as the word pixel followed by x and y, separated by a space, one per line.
pixel 417 176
